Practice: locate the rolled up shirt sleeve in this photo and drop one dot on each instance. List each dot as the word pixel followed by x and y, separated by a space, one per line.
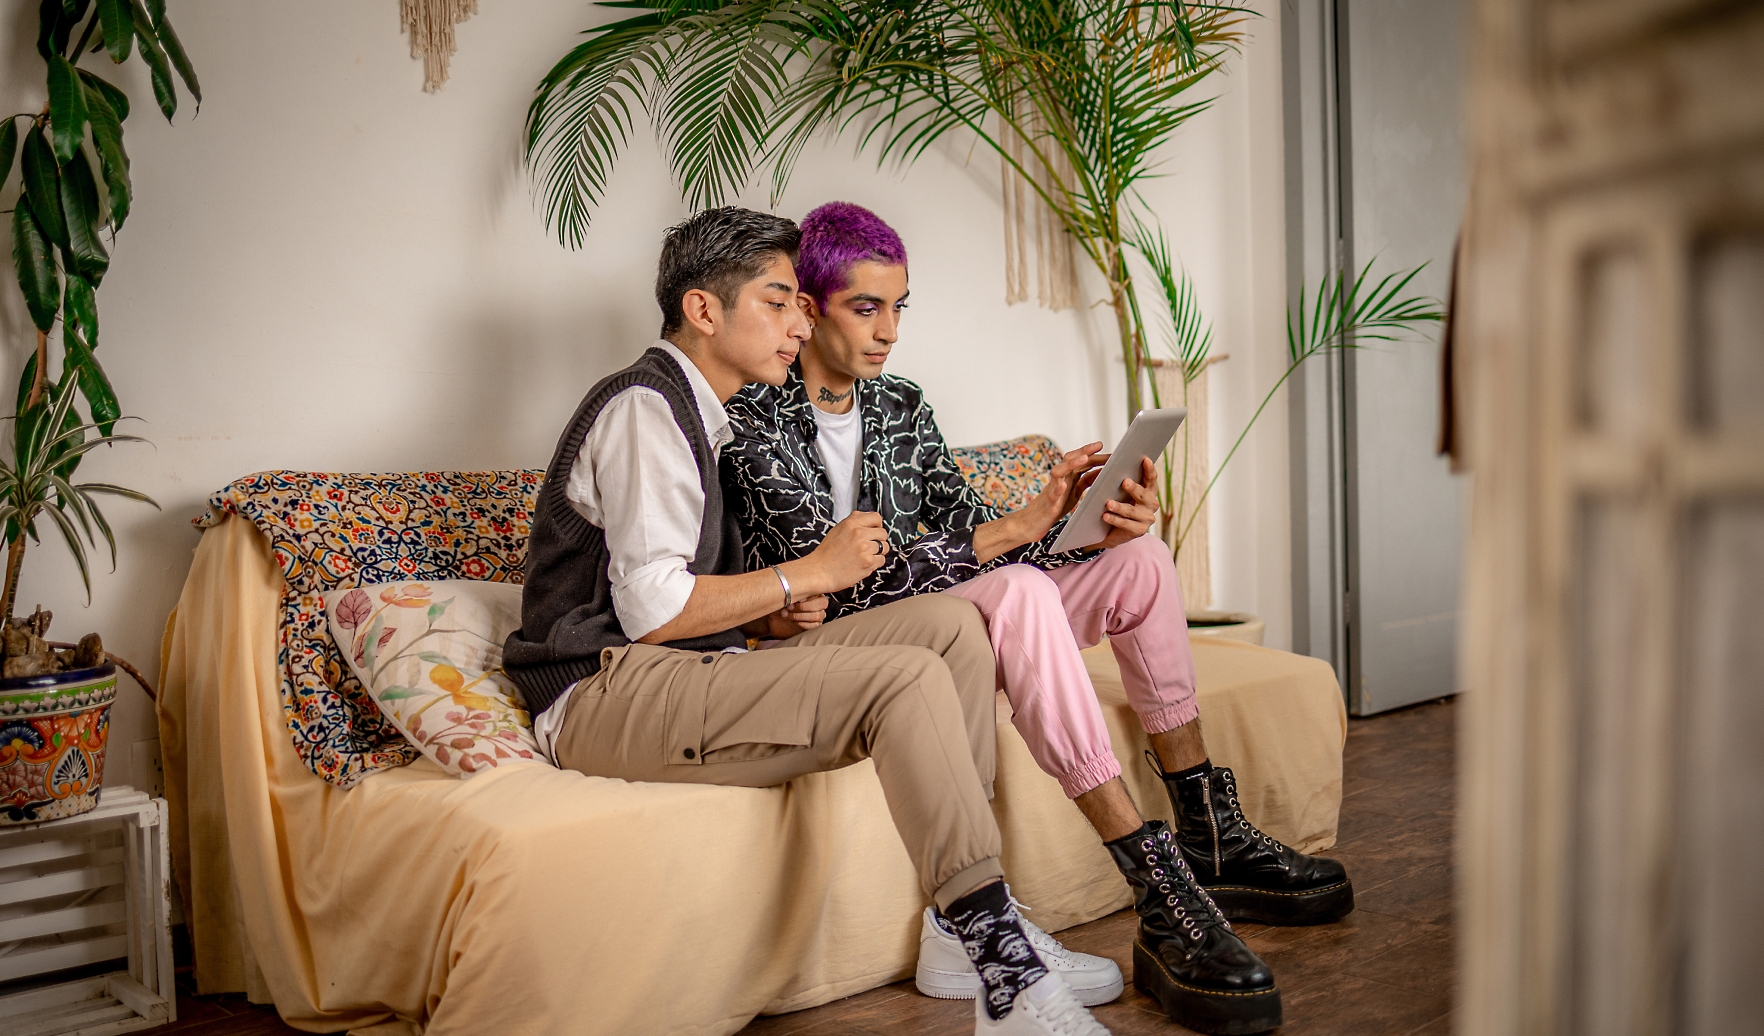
pixel 636 479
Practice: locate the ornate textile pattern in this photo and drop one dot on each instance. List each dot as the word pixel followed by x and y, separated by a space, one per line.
pixel 778 489
pixel 1008 474
pixel 333 531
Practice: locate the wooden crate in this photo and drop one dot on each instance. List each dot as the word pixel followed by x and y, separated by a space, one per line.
pixel 79 891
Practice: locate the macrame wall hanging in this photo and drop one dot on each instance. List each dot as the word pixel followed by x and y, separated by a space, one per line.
pixel 1035 239
pixel 430 25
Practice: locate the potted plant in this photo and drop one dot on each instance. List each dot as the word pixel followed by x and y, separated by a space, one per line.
pixel 1074 98
pixel 74 192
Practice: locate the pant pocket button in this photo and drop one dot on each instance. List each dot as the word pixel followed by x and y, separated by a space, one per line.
pixel 690 753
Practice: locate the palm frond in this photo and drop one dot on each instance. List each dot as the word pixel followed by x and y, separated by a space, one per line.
pixel 1189 342
pixel 582 116
pixel 1344 313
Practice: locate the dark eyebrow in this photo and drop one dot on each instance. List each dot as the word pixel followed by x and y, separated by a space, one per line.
pixel 877 299
pixel 781 286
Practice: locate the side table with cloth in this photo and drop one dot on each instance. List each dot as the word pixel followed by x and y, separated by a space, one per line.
pixel 387 896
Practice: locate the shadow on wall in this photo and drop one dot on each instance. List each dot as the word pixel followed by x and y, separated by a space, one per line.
pixel 527 372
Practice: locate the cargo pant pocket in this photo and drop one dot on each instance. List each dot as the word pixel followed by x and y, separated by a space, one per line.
pixel 746 707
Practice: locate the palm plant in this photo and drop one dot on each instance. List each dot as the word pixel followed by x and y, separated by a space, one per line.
pixel 1074 96
pixel 48 440
pixel 1344 314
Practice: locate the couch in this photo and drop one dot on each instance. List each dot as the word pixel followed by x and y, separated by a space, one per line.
pixel 328 868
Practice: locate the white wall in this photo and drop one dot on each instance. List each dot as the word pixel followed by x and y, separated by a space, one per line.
pixel 330 270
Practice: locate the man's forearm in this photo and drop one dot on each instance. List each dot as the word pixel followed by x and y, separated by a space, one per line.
pixel 999 535
pixel 721 603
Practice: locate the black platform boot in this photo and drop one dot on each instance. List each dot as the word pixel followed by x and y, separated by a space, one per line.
pixel 1186 957
pixel 1249 874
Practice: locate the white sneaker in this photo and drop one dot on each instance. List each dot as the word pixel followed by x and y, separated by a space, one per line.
pixel 946 972
pixel 1047 1008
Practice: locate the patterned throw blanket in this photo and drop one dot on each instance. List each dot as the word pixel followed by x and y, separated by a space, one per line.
pixel 332 531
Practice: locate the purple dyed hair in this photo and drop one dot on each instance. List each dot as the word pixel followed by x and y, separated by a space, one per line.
pixel 838 236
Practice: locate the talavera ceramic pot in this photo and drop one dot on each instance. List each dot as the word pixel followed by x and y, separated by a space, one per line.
pixel 53 730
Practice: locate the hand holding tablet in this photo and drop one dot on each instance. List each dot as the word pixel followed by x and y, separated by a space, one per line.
pixel 1146 438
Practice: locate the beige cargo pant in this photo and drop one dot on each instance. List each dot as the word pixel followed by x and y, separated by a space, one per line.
pixel 910 685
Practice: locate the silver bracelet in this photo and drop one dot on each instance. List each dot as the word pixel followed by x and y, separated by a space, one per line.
pixel 786 584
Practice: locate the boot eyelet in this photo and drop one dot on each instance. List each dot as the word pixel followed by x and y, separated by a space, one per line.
pixel 1164 888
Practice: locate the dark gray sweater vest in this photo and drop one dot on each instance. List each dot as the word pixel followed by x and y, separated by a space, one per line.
pixel 567 615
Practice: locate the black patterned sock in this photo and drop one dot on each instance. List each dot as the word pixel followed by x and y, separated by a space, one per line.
pixel 992 933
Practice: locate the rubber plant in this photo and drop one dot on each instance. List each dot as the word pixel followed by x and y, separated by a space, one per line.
pixel 1075 96
pixel 74 195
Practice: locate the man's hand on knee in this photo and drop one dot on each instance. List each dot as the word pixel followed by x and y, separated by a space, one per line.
pixel 800 617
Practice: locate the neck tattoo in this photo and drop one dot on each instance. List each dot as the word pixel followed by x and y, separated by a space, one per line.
pixel 826 396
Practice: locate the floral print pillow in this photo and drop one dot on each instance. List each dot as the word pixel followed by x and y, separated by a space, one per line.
pixel 430 655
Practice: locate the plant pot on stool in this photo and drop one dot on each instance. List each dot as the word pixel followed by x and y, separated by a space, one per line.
pixel 53 731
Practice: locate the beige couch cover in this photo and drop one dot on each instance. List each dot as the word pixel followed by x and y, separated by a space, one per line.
pixel 534 900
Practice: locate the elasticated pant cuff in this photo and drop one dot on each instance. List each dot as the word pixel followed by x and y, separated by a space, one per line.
pixel 1166 719
pixel 1090 774
pixel 967 880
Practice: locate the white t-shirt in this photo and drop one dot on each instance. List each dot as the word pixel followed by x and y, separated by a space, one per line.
pixel 840 441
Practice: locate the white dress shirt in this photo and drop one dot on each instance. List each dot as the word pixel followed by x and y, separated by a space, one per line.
pixel 635 478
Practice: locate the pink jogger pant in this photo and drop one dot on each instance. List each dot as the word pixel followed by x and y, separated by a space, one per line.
pixel 1039 621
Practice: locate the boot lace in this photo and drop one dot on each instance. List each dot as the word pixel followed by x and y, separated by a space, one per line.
pixel 1167 865
pixel 1242 821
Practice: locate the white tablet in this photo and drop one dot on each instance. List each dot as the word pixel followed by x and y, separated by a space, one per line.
pixel 1150 432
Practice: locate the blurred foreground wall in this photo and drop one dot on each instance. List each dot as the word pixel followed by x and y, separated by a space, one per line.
pixel 1611 352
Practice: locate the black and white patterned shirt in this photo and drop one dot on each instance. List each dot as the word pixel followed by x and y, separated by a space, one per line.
pixel 777 487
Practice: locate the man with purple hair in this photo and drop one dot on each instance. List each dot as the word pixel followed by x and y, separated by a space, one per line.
pixel 840 437
pixel 636 608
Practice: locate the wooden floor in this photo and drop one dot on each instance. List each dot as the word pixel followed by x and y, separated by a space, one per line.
pixel 1385 970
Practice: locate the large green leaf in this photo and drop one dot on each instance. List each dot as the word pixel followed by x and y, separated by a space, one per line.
pixel 174 49
pixel 79 202
pixel 94 384
pixel 67 108
pixel 42 184
pixel 79 308
pixel 8 147
pixel 55 23
pixel 119 28
pixel 25 381
pixel 160 73
pixel 119 101
pixel 107 134
pixel 36 266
